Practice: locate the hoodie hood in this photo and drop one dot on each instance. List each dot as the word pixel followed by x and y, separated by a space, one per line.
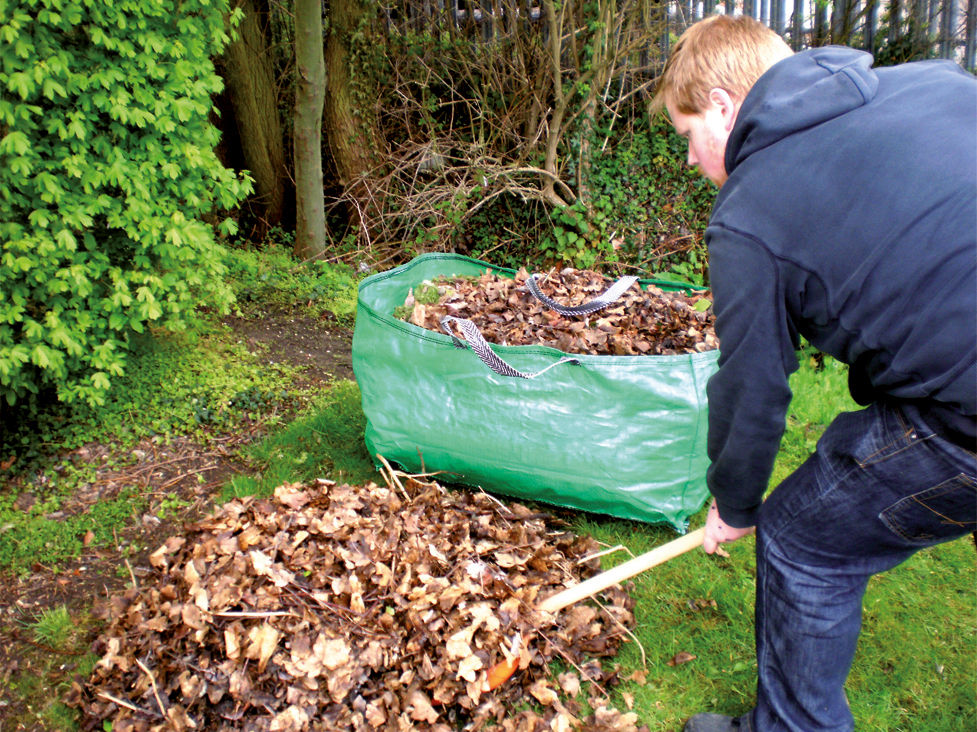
pixel 800 92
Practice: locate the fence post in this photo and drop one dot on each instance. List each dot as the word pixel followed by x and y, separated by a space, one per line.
pixel 777 15
pixel 797 26
pixel 666 45
pixel 968 57
pixel 871 18
pixel 486 23
pixel 895 11
pixel 917 22
pixel 820 31
pixel 949 13
pixel 934 19
pixel 851 18
pixel 644 58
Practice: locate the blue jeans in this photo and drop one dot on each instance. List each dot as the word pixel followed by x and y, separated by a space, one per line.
pixel 877 490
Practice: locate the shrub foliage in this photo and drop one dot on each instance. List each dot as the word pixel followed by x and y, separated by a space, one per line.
pixel 110 188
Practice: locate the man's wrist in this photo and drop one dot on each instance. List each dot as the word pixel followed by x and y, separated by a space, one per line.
pixel 737 518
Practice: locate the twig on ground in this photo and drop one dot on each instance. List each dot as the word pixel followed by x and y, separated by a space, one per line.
pixel 641 648
pixel 609 550
pixel 152 681
pixel 177 479
pixel 132 575
pixel 127 705
pixel 393 477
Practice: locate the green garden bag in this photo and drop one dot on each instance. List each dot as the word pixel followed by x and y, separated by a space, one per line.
pixel 618 435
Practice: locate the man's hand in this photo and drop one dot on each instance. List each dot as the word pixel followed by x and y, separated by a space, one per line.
pixel 719 532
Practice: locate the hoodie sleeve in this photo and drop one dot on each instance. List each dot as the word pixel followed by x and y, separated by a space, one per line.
pixel 749 394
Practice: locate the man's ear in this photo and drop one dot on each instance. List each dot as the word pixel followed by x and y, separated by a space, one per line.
pixel 727 106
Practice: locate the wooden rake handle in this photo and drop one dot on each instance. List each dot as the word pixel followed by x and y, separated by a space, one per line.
pixel 658 555
pixel 500 672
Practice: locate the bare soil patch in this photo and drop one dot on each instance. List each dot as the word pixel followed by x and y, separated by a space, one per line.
pixel 320 345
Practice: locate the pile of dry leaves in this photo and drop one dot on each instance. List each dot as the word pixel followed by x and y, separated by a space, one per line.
pixel 648 321
pixel 333 607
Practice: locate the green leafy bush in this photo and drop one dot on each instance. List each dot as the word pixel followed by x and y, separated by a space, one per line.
pixel 109 183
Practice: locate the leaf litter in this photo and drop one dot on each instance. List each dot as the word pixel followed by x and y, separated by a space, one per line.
pixel 378 607
pixel 642 321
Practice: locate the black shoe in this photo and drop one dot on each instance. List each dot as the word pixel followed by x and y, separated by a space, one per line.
pixel 713 723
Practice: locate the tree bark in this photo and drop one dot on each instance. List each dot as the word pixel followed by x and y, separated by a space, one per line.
pixel 310 217
pixel 250 79
pixel 349 129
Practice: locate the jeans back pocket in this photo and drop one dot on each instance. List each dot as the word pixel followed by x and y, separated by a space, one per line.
pixel 943 512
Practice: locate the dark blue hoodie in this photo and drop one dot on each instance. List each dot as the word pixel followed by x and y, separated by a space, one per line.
pixel 849 218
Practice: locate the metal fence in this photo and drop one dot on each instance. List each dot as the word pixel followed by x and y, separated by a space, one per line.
pixel 935 28
pixel 897 29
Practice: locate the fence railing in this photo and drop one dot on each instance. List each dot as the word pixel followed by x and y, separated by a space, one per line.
pixel 894 29
pixel 922 28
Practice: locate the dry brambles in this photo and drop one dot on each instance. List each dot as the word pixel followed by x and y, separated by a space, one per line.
pixel 647 321
pixel 333 607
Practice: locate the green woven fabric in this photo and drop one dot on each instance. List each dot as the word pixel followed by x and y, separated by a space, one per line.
pixel 617 435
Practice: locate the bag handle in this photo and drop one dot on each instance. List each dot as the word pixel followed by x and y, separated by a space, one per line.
pixel 474 338
pixel 601 301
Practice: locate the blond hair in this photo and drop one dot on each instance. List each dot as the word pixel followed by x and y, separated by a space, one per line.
pixel 721 51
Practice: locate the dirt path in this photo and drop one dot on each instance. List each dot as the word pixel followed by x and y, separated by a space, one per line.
pixel 323 348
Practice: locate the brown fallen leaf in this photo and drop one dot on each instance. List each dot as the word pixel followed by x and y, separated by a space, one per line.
pixel 420 707
pixel 263 642
pixel 640 677
pixel 569 684
pixel 544 693
pixel 681 657
pixel 334 652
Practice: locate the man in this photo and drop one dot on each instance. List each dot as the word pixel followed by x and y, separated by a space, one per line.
pixel 846 215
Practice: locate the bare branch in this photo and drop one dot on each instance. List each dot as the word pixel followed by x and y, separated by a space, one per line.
pixel 470 118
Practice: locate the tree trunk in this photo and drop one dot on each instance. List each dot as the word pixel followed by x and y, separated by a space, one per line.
pixel 350 131
pixel 310 217
pixel 250 79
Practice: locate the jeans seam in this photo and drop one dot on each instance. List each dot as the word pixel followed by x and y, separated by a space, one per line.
pixel 909 432
pixel 762 659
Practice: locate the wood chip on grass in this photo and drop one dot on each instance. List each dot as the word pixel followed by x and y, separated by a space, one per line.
pixel 334 607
